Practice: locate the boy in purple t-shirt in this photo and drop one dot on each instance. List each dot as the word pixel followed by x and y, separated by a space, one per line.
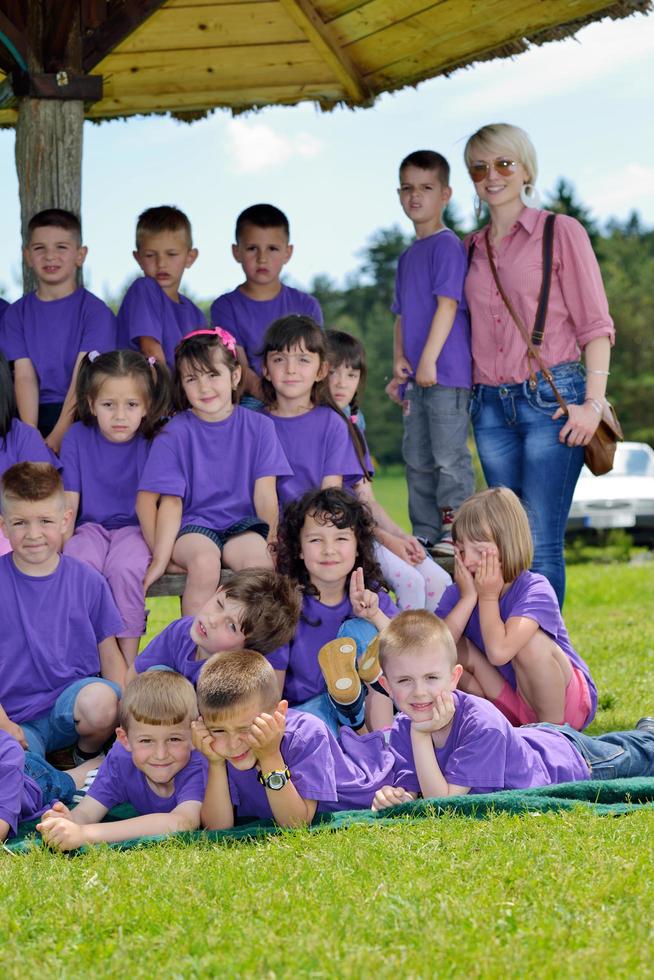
pixel 266 761
pixel 152 766
pixel 447 743
pixel 59 625
pixel 262 249
pixel 48 332
pixel 431 355
pixel 154 315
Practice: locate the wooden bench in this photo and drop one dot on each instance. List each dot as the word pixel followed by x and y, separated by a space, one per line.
pixel 173 585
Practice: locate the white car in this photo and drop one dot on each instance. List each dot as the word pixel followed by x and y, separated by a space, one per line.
pixel 622 498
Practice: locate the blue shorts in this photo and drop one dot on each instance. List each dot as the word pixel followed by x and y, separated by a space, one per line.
pixel 220 538
pixel 53 783
pixel 56 728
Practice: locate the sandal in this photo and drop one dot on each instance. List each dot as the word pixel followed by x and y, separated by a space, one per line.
pixel 337 661
pixel 369 667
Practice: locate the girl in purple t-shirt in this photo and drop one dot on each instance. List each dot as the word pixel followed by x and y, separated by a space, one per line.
pixel 19 443
pixel 215 466
pixel 506 621
pixel 319 442
pixel 326 545
pixel 417 581
pixel 120 396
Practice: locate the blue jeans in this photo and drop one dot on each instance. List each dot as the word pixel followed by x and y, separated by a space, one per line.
pixel 614 755
pixel 435 449
pixel 56 728
pixel 519 448
pixel 322 705
pixel 53 783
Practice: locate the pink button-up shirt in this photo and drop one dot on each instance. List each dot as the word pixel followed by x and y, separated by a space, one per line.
pixel 577 311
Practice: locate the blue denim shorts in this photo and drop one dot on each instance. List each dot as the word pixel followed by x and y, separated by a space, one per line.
pixel 56 728
pixel 220 538
pixel 53 783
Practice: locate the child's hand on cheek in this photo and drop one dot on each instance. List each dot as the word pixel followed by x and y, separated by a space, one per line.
pixel 489 580
pixel 463 577
pixel 265 736
pixel 364 602
pixel 204 742
pixel 442 714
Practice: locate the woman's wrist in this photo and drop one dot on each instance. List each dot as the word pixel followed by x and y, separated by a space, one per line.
pixel 596 404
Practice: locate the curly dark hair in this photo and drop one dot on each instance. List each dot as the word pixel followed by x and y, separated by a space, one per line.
pixel 331 506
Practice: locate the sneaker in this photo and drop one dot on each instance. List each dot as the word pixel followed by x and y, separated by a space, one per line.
pixel 337 661
pixel 88 782
pixel 445 545
pixel 369 667
pixel 80 757
pixel 645 725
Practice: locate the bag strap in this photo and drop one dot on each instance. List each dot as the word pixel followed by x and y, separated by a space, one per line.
pixel 543 299
pixel 531 350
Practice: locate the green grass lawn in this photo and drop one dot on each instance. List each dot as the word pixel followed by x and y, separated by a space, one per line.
pixel 554 895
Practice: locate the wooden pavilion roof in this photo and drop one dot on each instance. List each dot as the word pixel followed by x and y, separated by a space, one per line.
pixel 190 56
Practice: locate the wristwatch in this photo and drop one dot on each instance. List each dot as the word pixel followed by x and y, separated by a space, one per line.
pixel 276 779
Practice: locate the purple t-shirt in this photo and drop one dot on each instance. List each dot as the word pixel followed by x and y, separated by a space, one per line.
pixel 485 752
pixel 318 625
pixel 52 334
pixel 317 444
pixel 248 319
pixel 105 474
pixel 24 444
pixel 173 648
pixel 51 628
pixel 431 267
pixel 20 797
pixel 341 774
pixel 213 466
pixel 530 595
pixel 119 781
pixel 146 311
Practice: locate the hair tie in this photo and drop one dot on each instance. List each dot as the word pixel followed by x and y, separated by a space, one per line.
pixel 226 338
pixel 152 361
pixel 92 355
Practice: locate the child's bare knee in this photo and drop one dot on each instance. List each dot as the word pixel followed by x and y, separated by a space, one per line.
pixel 205 567
pixel 538 648
pixel 96 708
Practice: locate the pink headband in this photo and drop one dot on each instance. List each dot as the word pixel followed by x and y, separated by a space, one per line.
pixel 224 336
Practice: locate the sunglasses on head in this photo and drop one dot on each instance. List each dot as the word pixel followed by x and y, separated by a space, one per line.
pixel 481 169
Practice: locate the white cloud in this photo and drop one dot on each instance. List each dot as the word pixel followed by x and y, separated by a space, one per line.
pixel 631 187
pixel 254 146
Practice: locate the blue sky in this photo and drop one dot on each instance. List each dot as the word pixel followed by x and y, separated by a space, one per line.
pixel 587 104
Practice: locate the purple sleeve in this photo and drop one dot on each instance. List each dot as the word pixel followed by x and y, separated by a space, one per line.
pixel 160 651
pixel 448 601
pixel 448 267
pixel 162 472
pixel 12 763
pixel 309 759
pixel 13 335
pixel 98 326
pixel 222 315
pixel 270 457
pixel 32 448
pixel 315 311
pixel 191 781
pixel 71 462
pixel 537 600
pixel 141 313
pixel 107 787
pixel 280 658
pixel 404 768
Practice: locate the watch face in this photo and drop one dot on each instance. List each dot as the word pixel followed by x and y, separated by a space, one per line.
pixel 276 780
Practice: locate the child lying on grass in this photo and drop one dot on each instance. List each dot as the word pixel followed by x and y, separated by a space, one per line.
pixel 269 761
pixel 152 766
pixel 447 743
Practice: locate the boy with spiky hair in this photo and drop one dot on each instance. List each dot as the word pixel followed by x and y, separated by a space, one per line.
pixel 262 248
pixel 154 315
pixel 48 332
pixel 152 766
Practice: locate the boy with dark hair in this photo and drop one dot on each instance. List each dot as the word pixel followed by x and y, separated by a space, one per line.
pixel 448 743
pixel 256 608
pixel 262 249
pixel 432 356
pixel 267 760
pixel 59 625
pixel 152 766
pixel 48 332
pixel 154 315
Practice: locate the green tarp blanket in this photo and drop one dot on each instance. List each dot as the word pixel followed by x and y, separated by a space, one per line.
pixel 613 797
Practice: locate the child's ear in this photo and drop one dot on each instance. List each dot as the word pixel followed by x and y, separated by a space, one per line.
pixel 236 376
pixel 80 258
pixel 384 683
pixel 191 257
pixel 28 258
pixel 456 676
pixel 289 253
pixel 66 519
pixel 323 371
pixel 138 258
pixel 282 707
pixel 121 736
pixel 236 253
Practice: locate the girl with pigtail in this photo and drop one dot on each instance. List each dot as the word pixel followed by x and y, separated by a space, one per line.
pixel 120 396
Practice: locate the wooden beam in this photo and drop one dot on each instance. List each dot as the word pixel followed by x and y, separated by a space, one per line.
pixel 14 47
pixel 126 17
pixel 61 21
pixel 320 37
pixel 63 85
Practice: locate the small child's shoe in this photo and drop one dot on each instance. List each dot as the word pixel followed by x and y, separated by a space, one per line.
pixel 337 661
pixel 369 667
